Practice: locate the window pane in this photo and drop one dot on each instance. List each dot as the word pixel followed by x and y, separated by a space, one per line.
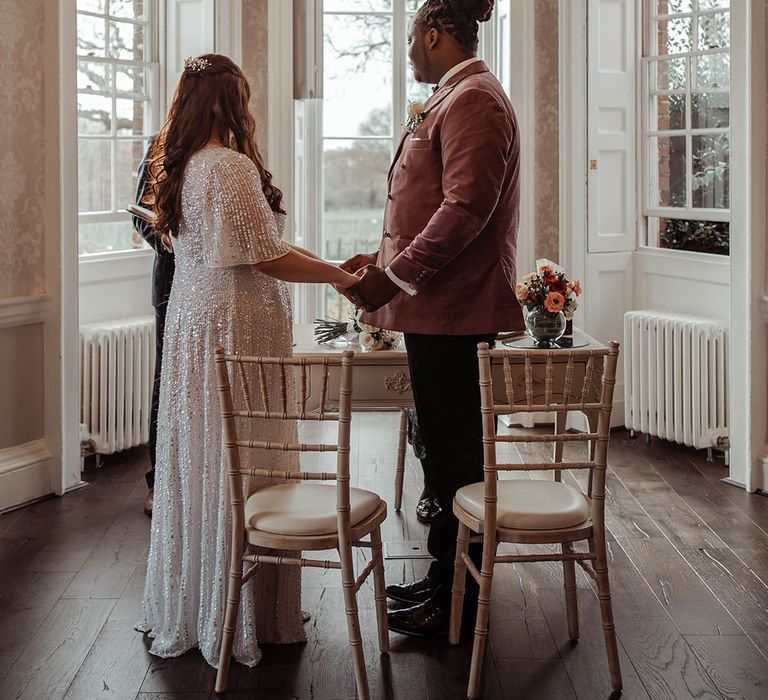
pixel 337 306
pixel 91 5
pixel 94 114
pixel 668 112
pixel 131 117
pixel 674 35
pixel 710 110
pixel 715 31
pixel 669 154
pixel 671 74
pixel 126 41
pixel 355 174
pixel 129 154
pixel 90 36
pixel 357 6
pixel 713 70
pixel 129 79
pixel 713 4
pixel 94 76
pixel 94 176
pixel 670 7
pixel 130 9
pixel 710 171
pixel 699 236
pixel 108 237
pixel 358 75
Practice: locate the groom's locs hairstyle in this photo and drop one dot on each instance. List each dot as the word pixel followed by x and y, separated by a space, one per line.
pixel 457 18
pixel 211 100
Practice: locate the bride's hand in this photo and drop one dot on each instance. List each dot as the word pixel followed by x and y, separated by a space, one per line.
pixel 345 281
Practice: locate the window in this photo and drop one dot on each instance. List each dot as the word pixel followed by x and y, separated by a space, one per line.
pixel 367 84
pixel 686 136
pixel 116 111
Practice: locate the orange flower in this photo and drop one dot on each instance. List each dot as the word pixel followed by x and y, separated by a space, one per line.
pixel 554 302
pixel 521 292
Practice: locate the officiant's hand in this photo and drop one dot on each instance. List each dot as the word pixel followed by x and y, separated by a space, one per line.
pixel 358 262
pixel 373 290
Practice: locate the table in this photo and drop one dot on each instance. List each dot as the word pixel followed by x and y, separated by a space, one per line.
pixel 382 381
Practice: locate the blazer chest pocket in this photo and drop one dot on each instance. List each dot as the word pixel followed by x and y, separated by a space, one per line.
pixel 417 144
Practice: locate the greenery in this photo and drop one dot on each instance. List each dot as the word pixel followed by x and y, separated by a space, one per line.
pixel 700 236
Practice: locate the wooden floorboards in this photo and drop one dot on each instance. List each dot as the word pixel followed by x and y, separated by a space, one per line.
pixel 688 566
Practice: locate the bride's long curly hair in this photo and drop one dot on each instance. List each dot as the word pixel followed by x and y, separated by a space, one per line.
pixel 211 99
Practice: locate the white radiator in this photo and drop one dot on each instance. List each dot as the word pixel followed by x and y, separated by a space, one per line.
pixel 117 364
pixel 676 377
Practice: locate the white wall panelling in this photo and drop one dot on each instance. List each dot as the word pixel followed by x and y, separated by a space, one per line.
pixel 612 70
pixel 190 31
pixel 610 281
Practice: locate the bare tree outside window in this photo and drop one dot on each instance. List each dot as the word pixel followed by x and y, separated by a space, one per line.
pixel 113 118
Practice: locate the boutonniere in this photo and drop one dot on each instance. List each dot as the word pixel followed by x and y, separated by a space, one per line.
pixel 416 115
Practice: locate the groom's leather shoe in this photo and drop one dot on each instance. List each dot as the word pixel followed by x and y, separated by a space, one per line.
pixel 427 509
pixel 412 593
pixel 423 620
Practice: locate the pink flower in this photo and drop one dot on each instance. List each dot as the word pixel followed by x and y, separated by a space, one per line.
pixel 554 302
pixel 575 287
pixel 521 292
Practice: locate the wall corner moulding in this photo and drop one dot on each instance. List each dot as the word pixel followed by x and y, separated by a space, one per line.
pixel 24 473
pixel 22 311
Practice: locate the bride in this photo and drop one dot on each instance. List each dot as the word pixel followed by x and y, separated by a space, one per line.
pixel 214 199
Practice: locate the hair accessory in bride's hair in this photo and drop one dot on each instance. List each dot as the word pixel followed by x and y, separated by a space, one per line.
pixel 196 65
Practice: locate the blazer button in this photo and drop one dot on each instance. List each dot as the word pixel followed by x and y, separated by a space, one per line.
pixel 389 196
pixel 387 234
pixel 402 165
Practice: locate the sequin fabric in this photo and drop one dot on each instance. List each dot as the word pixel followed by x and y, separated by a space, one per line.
pixel 218 299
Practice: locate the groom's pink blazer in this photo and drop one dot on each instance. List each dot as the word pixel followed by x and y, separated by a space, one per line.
pixel 452 212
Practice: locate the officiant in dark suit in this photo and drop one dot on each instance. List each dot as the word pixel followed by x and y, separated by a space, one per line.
pixel 162 279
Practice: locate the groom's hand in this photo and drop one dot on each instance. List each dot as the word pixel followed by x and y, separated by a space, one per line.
pixel 358 262
pixel 374 288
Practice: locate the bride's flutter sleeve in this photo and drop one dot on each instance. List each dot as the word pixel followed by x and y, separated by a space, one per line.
pixel 240 227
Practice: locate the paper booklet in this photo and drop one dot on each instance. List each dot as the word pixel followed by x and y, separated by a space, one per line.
pixel 141 212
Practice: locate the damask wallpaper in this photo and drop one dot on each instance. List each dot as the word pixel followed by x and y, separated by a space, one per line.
pixel 255 63
pixel 22 148
pixel 547 150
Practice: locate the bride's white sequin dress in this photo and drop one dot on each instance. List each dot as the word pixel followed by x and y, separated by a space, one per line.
pixel 218 299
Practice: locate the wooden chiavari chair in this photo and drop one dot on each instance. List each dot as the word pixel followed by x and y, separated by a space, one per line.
pixel 299 513
pixel 539 512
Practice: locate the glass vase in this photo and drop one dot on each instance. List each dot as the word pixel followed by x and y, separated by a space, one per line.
pixel 544 327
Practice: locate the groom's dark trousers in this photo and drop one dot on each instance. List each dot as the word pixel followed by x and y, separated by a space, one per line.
pixel 444 379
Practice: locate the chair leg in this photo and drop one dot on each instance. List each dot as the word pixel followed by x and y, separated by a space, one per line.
pixel 400 469
pixel 353 621
pixel 379 592
pixel 230 622
pixel 606 611
pixel 571 600
pixel 459 582
pixel 481 624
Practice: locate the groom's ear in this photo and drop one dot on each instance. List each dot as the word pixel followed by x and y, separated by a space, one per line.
pixel 431 39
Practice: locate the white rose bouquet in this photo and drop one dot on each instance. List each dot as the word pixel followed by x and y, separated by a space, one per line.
pixel 369 337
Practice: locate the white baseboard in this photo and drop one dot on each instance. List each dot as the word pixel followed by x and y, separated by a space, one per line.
pixel 24 473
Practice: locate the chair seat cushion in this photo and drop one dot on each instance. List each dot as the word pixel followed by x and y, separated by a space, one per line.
pixel 304 509
pixel 528 505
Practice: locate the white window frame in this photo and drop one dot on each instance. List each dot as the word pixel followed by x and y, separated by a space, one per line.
pixel 151 68
pixel 649 237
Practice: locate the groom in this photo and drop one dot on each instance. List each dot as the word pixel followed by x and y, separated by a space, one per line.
pixel 445 273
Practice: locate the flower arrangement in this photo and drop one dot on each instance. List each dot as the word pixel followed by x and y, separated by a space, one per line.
pixel 369 337
pixel 416 115
pixel 548 289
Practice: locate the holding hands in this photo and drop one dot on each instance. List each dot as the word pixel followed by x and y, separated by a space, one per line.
pixel 373 288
